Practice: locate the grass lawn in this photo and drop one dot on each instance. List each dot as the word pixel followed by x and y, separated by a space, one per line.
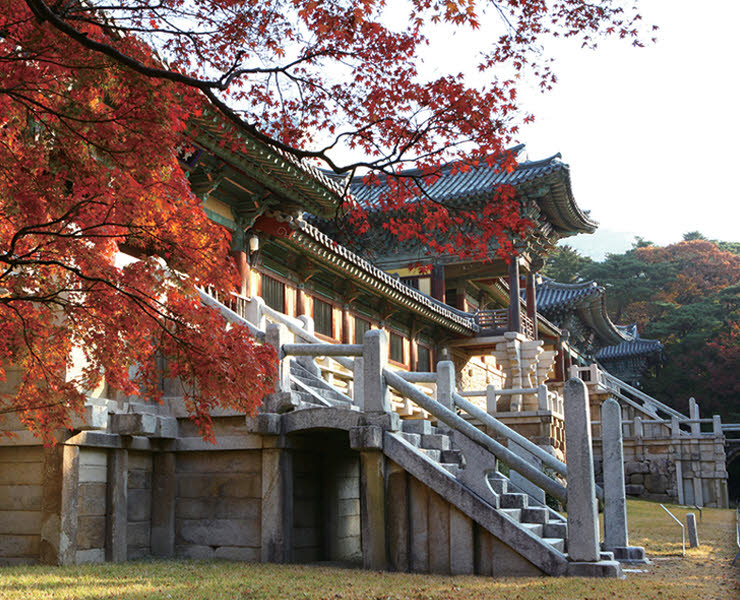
pixel 705 573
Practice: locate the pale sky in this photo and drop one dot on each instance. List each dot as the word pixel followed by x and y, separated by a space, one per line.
pixel 650 133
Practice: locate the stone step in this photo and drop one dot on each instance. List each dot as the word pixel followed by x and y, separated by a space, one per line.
pixel 420 426
pixel 435 455
pixel 452 456
pixel 435 441
pixel 555 530
pixel 451 467
pixel 513 513
pixel 412 438
pixel 514 500
pixel 534 528
pixel 498 485
pixel 557 543
pixel 535 514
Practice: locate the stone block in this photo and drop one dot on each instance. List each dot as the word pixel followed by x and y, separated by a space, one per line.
pixel 509 563
pixel 249 485
pixel 166 428
pixel 656 483
pixel 634 490
pixel 90 532
pixel 230 461
pixel 92 555
pixel 461 543
pixel 636 467
pixel 134 424
pixel 139 505
pixel 264 423
pixel 139 480
pixel 366 438
pixel 19 545
pixel 21 454
pixel 237 553
pixel 20 522
pixel 279 402
pixel 91 500
pixel 604 568
pixel 138 534
pixel 218 532
pixel 439 534
pixel 219 508
pixel 20 497
pixel 21 474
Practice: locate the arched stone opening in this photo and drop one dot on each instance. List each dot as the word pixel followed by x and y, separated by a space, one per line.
pixel 326 524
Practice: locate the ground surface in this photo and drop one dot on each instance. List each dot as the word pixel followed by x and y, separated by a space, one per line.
pixel 704 573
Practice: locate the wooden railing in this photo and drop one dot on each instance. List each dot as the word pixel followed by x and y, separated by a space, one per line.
pixel 498 320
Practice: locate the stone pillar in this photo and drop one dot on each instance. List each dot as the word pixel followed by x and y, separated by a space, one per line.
pixel 438 282
pixel 116 540
pixel 532 300
pixel 376 396
pixel 694 414
pixel 691 528
pixel 372 509
pixel 583 523
pixel 277 505
pixel 615 502
pixel 58 539
pixel 358 386
pixel 163 504
pixel 398 517
pixel 277 336
pixel 515 316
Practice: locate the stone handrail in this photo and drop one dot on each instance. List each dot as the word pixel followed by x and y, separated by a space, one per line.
pixel 615 383
pixel 448 417
pixel 231 314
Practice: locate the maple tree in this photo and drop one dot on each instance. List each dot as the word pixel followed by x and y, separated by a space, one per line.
pixel 96 96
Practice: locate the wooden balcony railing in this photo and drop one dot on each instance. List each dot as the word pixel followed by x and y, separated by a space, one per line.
pixel 498 321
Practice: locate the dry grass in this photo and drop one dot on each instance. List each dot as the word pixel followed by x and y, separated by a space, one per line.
pixel 704 573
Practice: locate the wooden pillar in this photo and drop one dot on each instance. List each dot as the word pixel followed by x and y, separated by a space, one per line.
pixel 242 265
pixel 301 304
pixel 345 325
pixel 438 282
pixel 515 316
pixel 532 300
pixel 559 361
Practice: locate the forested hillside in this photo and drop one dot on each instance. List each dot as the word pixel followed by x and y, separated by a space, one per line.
pixel 687 295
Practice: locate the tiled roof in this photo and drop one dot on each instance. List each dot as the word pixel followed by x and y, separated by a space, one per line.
pixel 635 347
pixel 398 290
pixel 479 183
pixel 552 295
pixel 587 299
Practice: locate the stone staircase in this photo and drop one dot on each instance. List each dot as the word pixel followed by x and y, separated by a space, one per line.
pixel 438 446
pixel 311 389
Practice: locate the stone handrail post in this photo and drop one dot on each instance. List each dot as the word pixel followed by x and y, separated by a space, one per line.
pixel 694 416
pixel 583 523
pixel 445 383
pixel 254 313
pixel 542 400
pixel 717 426
pixel 308 362
pixel 491 399
pixel 276 335
pixel 375 394
pixel 615 503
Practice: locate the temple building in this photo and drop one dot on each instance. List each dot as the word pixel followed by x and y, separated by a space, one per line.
pixel 414 415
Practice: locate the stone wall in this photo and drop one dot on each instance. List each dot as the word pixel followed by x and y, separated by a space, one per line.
pixel 427 534
pixel 139 505
pixel 217 511
pixel 91 505
pixel 21 483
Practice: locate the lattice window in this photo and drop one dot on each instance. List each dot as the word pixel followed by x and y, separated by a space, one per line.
pixel 396 348
pixel 361 328
pixel 273 293
pixel 322 318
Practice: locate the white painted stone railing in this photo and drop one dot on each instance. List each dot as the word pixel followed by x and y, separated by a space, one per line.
pixel 546 400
